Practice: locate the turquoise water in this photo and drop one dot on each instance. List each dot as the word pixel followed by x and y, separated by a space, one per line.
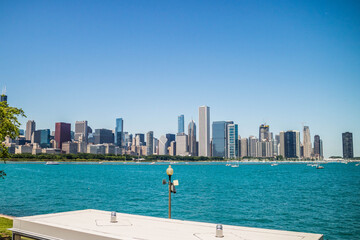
pixel 291 197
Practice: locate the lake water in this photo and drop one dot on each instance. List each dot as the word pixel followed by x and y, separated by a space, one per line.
pixel 292 197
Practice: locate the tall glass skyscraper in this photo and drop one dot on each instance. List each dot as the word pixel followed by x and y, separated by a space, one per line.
pixel 192 138
pixel 292 144
pixel 119 129
pixel 181 124
pixel 219 139
pixel 233 143
pixel 347 139
pixel 45 138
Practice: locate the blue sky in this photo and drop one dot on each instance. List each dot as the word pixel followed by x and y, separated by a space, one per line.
pixel 281 62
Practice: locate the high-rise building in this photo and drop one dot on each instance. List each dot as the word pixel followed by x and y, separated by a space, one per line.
pixel 232 143
pixel 292 144
pixel 41 137
pixel 182 144
pixel 62 133
pixel 155 146
pixel 318 147
pixel 264 134
pixel 81 131
pixel 219 139
pixel 30 129
pixel 347 140
pixel 149 143
pixel 192 138
pixel 103 136
pixel 3 98
pixel 244 147
pixel 282 144
pixel 69 147
pixel 119 129
pixel 163 145
pixel 252 150
pixel 181 124
pixel 307 142
pixel 140 139
pixel 204 131
pixel 172 148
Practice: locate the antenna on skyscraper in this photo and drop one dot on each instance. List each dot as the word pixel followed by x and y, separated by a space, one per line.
pixel 4 90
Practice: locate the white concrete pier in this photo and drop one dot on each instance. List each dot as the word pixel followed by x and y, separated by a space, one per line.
pixel 95 225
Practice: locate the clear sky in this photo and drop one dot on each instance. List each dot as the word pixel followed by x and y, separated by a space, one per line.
pixel 281 62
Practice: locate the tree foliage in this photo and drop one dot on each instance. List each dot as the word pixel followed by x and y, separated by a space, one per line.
pixel 9 127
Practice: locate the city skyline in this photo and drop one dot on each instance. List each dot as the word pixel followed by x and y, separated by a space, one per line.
pixel 288 63
pixel 219 139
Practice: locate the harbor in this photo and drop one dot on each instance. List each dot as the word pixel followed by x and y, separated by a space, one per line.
pixel 285 197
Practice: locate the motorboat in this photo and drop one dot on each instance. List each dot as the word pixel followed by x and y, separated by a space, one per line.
pixel 52 163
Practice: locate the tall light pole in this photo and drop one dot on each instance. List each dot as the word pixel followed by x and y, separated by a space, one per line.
pixel 170 172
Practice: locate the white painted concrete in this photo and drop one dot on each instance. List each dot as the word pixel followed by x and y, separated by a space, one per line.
pixel 95 225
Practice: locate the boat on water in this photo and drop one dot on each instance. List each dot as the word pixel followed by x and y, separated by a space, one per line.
pixel 274 164
pixel 234 165
pixel 152 163
pixel 357 164
pixel 52 163
pixel 319 167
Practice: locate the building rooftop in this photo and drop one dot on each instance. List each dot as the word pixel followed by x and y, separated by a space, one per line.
pixel 95 225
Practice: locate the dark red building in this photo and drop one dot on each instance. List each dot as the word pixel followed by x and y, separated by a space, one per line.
pixel 62 133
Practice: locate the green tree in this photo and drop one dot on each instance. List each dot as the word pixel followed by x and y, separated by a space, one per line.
pixel 9 127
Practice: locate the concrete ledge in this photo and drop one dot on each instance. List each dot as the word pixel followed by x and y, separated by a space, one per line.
pixel 95 225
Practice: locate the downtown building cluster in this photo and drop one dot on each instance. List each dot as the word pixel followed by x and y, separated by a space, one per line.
pixel 221 139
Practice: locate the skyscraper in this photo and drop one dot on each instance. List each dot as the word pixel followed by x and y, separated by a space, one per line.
pixel 163 145
pixel 307 142
pixel 30 128
pixel 252 150
pixel 192 138
pixel 292 144
pixel 103 136
pixel 282 144
pixel 3 98
pixel 62 133
pixel 150 143
pixel 244 147
pixel 219 139
pixel 264 134
pixel 232 136
pixel 181 124
pixel 140 139
pixel 182 144
pixel 81 131
pixel 42 137
pixel 317 147
pixel 119 129
pixel 204 131
pixel 347 140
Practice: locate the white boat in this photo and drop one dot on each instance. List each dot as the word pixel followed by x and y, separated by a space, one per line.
pixel 52 163
pixel 152 163
pixel 319 167
pixel 274 164
pixel 234 165
pixel 357 164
